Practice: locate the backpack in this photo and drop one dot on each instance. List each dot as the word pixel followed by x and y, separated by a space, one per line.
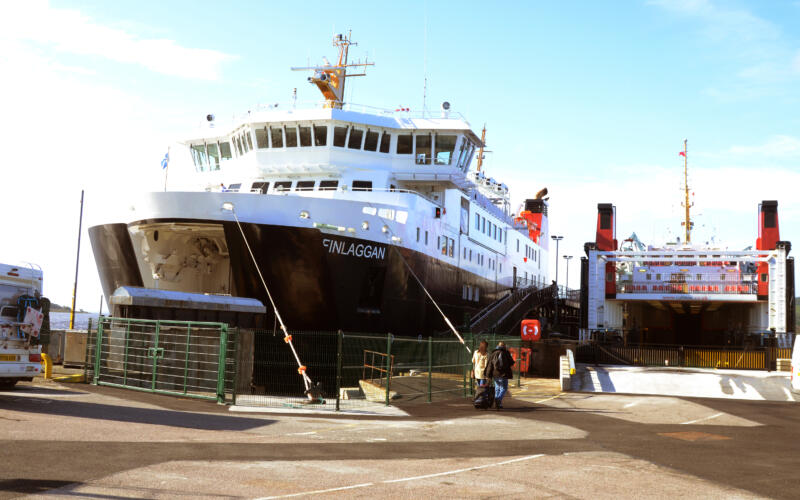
pixel 500 362
pixel 484 399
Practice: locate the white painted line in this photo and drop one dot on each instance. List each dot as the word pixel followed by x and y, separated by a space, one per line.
pixel 390 411
pixel 630 405
pixel 529 457
pixel 389 481
pixel 703 419
pixel 302 433
pixel 315 492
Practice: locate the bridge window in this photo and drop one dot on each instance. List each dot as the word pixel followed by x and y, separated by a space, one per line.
pixel 355 138
pixel 386 139
pixel 291 137
pixel 328 185
pixel 371 141
pixel 225 150
pixel 339 136
pixel 304 186
pixel 445 145
pixel 260 187
pixel 404 145
pixel 305 136
pixel 199 157
pixel 238 144
pixel 423 149
pixel 262 140
pixel 213 156
pixel 362 185
pixel 320 135
pixel 249 139
pixel 276 134
pixel 283 186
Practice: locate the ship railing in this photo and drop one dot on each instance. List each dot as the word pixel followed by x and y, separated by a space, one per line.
pixel 717 287
pixel 399 112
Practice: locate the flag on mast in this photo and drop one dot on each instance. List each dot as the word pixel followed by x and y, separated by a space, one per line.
pixel 682 154
pixel 165 161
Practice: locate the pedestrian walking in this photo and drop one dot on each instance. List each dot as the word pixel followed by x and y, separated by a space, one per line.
pixel 498 369
pixel 479 360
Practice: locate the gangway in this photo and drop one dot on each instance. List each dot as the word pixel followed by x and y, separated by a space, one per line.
pixel 505 314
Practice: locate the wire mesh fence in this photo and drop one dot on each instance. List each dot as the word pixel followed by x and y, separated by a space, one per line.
pixel 357 370
pixel 190 359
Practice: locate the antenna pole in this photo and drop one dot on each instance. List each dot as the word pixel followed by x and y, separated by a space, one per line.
pixel 480 151
pixel 77 262
pixel 688 221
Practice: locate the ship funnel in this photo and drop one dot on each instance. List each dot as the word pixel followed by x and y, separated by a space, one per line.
pixel 541 194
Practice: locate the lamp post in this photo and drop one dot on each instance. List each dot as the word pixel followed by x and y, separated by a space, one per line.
pixel 567 258
pixel 555 302
pixel 556 239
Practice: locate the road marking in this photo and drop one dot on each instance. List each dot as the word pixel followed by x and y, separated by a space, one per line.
pixel 548 399
pixel 316 492
pixel 477 467
pixel 302 433
pixel 629 405
pixel 703 419
pixel 414 478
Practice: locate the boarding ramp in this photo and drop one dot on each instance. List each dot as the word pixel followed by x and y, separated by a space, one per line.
pixel 504 315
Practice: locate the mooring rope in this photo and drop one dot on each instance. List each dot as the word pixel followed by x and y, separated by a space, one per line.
pixel 301 369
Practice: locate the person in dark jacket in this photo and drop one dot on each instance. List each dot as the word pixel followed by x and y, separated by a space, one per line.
pixel 499 369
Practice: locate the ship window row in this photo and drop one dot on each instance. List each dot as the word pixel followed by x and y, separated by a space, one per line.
pixel 291 136
pixel 490 229
pixel 469 292
pixel 284 186
pixel 447 246
pixel 426 236
pixel 208 156
pixel 530 252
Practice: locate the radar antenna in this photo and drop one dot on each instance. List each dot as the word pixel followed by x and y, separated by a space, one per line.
pixel 688 224
pixel 330 79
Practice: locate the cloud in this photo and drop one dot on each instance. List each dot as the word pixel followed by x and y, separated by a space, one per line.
pixel 70 31
pixel 757 44
pixel 781 145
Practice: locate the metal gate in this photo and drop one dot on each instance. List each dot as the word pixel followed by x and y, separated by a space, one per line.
pixel 185 358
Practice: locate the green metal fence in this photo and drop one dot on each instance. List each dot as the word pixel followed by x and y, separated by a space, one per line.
pixel 357 370
pixel 192 359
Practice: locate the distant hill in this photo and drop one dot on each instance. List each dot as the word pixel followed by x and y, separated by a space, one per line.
pixel 59 308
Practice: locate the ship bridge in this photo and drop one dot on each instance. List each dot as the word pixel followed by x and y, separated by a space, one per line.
pixel 688 295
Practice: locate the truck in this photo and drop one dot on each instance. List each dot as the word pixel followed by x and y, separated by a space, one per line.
pixel 24 319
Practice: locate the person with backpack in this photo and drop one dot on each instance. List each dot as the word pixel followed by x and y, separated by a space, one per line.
pixel 499 369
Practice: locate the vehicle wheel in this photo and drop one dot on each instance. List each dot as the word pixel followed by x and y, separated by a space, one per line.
pixel 7 383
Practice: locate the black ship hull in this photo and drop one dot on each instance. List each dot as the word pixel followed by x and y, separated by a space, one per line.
pixel 322 282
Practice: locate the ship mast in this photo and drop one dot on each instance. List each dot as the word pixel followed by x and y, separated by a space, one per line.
pixel 330 79
pixel 480 151
pixel 688 221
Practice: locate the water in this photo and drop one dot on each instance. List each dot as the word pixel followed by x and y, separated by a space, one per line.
pixel 60 320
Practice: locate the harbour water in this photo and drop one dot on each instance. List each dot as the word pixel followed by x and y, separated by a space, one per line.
pixel 60 320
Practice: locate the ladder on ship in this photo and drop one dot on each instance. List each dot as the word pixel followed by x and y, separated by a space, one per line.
pixel 504 315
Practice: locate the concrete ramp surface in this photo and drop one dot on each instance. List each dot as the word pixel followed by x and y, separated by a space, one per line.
pixel 686 382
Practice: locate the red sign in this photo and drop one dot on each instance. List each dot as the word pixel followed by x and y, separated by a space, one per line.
pixel 522 358
pixel 531 330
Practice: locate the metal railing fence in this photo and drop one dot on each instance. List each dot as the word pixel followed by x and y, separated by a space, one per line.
pixel 185 358
pixel 358 370
pixel 759 358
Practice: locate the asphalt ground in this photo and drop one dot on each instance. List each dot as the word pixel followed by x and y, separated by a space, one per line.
pixel 80 441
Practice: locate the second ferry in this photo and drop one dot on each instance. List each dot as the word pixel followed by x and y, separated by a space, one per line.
pixel 352 214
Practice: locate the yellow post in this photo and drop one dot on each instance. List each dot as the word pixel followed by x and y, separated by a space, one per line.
pixel 47 366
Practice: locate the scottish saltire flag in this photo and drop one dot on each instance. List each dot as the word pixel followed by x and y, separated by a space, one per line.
pixel 165 161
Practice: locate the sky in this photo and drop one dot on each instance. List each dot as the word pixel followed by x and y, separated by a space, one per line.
pixel 591 99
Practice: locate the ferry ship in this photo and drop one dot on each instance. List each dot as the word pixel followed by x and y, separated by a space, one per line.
pixel 352 214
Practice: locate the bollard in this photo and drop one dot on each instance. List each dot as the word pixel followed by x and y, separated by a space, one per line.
pixel 47 366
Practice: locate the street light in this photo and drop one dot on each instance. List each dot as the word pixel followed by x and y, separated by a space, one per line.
pixel 555 300
pixel 567 258
pixel 556 239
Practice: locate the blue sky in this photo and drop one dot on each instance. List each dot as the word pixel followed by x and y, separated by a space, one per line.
pixel 591 99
